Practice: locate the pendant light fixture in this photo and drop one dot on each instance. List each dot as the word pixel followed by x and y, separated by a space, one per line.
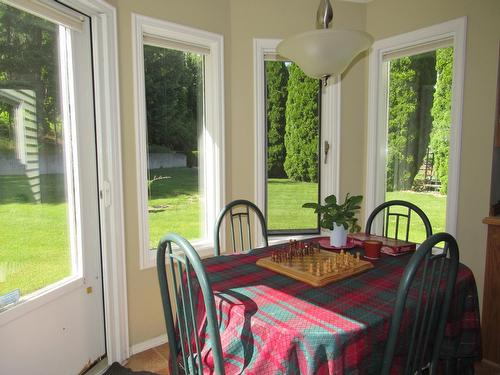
pixel 324 52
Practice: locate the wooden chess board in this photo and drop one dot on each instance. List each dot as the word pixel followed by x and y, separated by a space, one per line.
pixel 318 267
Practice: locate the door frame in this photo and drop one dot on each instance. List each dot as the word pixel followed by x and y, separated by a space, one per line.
pixel 110 179
pixel 377 109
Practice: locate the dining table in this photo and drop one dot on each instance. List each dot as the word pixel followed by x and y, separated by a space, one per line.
pixel 273 324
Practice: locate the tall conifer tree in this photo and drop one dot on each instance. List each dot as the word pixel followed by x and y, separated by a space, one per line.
pixel 277 93
pixel 301 138
pixel 441 111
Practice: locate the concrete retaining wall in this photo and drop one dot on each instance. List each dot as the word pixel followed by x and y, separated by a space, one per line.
pixel 167 160
pixel 54 164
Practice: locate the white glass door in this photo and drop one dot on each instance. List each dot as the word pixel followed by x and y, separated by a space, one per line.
pixel 51 312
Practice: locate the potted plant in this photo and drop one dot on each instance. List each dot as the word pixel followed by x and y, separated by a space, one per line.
pixel 339 218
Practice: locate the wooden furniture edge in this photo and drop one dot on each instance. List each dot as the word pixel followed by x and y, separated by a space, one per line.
pixel 492 220
pixel 491 304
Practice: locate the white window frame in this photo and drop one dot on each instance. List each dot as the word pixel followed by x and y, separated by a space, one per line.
pixel 330 132
pixel 377 109
pixel 107 115
pixel 213 166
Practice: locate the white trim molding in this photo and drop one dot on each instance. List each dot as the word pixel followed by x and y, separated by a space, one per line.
pixel 453 31
pixel 148 344
pixel 330 126
pixel 107 114
pixel 261 48
pixel 213 139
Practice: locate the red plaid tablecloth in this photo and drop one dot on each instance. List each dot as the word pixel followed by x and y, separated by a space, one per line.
pixel 272 324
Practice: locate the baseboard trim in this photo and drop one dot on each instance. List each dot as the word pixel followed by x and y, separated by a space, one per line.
pixel 148 344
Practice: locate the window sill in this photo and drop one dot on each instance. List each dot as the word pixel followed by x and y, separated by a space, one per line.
pixel 39 298
pixel 274 240
pixel 204 250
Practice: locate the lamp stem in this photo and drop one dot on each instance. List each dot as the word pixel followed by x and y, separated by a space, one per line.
pixel 324 15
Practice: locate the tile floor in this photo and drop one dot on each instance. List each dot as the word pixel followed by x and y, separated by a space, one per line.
pixel 155 360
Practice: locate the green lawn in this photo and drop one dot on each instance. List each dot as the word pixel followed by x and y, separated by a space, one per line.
pixel 33 240
pixel 34 243
pixel 434 205
pixel 177 203
pixel 285 204
pixel 286 199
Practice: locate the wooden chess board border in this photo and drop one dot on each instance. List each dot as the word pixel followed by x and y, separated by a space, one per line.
pixel 313 280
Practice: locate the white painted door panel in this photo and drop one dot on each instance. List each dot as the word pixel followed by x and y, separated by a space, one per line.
pixel 59 329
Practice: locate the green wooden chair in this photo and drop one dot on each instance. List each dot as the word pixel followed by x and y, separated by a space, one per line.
pixel 398 214
pixel 239 213
pixel 431 278
pixel 184 285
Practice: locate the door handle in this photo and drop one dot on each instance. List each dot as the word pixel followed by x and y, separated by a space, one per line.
pixel 326 147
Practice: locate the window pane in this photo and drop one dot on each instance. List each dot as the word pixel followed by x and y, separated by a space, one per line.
pixel 35 246
pixel 175 118
pixel 292 107
pixel 419 132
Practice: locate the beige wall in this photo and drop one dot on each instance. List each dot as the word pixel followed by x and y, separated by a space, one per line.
pixel 240 21
pixel 391 17
pixel 144 305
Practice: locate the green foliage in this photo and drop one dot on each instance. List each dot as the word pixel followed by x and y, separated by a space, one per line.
pixel 302 120
pixel 441 111
pixel 7 145
pixel 29 60
pixel 341 214
pixel 411 87
pixel 173 81
pixel 277 92
pixel 402 104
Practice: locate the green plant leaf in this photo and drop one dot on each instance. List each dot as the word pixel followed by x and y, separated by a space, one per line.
pixel 341 214
pixel 310 205
pixel 331 200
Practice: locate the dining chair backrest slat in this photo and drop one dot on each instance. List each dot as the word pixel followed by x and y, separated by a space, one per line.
pixel 187 280
pixel 397 214
pixel 423 299
pixel 239 215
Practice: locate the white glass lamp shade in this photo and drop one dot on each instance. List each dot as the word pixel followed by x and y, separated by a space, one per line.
pixel 324 52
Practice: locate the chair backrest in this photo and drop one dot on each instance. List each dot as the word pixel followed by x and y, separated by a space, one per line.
pixel 239 215
pixel 429 280
pixel 397 215
pixel 185 286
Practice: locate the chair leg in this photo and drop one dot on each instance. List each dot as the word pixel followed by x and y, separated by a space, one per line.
pixel 450 366
pixel 466 366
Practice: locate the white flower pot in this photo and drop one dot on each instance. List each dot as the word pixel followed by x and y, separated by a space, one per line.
pixel 338 236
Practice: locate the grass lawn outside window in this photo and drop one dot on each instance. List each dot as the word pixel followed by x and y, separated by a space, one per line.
pixel 175 203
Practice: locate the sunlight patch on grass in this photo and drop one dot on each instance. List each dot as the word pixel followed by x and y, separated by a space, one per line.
pixel 34 246
pixel 285 199
pixel 434 206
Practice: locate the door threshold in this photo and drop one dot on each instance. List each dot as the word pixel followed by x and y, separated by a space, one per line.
pixel 98 368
